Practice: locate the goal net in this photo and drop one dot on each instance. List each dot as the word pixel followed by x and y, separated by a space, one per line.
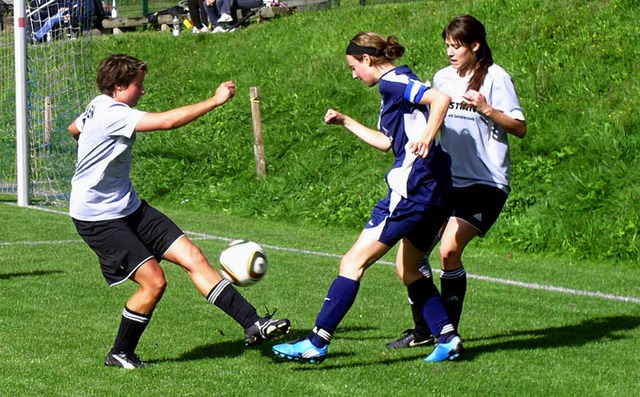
pixel 59 83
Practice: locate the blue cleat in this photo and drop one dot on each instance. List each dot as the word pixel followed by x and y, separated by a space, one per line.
pixel 446 351
pixel 302 350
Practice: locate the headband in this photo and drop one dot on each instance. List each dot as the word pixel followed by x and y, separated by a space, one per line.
pixel 355 49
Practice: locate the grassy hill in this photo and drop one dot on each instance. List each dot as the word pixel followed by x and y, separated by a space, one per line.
pixel 576 175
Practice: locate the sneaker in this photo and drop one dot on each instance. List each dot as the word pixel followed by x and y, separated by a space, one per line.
pixel 124 360
pixel 411 338
pixel 204 29
pixel 225 18
pixel 264 329
pixel 195 30
pixel 302 350
pixel 219 29
pixel 446 351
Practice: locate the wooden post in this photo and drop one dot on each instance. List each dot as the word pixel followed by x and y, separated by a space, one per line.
pixel 48 122
pixel 258 144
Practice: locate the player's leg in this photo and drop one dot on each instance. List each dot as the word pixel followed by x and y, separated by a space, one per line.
pixel 339 299
pixel 123 256
pixel 137 314
pixel 477 209
pixel 453 280
pixel 419 335
pixel 223 294
pixel 424 294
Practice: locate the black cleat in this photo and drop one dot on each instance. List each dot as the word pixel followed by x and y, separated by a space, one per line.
pixel 411 338
pixel 124 360
pixel 264 329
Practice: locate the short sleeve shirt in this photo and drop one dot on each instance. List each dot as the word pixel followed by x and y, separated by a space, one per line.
pixel 479 149
pixel 101 188
pixel 403 119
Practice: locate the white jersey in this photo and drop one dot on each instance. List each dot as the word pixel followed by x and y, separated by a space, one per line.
pixel 101 188
pixel 478 148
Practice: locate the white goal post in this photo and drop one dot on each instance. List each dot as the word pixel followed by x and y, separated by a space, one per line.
pixel 47 77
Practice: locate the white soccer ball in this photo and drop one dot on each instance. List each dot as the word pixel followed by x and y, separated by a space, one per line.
pixel 243 263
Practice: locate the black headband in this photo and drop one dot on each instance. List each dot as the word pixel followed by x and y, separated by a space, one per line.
pixel 355 49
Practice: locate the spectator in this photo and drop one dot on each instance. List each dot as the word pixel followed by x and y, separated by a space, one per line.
pixel 198 16
pixel 223 13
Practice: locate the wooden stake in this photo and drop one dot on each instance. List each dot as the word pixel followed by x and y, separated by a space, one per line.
pixel 258 144
pixel 48 121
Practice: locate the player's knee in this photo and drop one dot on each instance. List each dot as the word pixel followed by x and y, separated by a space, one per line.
pixel 449 257
pixel 158 286
pixel 351 269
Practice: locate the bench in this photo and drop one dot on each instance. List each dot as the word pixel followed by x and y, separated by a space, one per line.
pixel 120 24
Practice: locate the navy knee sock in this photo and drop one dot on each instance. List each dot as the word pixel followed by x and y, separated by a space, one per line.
pixel 425 294
pixel 340 297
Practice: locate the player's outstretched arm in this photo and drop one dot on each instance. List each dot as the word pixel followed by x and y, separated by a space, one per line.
pixel 181 116
pixel 373 137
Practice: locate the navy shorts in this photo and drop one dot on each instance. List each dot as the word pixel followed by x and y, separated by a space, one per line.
pixel 123 245
pixel 479 205
pixel 395 218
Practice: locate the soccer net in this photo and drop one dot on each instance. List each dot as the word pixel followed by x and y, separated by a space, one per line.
pixel 59 83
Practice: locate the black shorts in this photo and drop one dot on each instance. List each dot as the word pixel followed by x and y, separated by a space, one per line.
pixel 479 205
pixel 123 245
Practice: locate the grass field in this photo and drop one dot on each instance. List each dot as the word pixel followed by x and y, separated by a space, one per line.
pixel 533 326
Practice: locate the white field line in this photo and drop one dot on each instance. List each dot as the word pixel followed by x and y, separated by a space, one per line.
pixel 521 284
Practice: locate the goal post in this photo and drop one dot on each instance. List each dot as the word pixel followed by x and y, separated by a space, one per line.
pixel 22 137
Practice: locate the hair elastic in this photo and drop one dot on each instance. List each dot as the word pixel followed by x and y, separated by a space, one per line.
pixel 355 49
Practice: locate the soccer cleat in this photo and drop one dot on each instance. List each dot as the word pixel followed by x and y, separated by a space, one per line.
pixel 264 329
pixel 446 351
pixel 124 360
pixel 411 338
pixel 302 350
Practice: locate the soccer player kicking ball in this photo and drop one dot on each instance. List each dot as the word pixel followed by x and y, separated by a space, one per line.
pixel 415 207
pixel 129 236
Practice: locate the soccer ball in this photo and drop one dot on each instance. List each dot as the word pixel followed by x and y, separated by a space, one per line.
pixel 243 263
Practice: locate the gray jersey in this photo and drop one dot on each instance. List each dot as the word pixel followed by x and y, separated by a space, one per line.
pixel 101 188
pixel 479 149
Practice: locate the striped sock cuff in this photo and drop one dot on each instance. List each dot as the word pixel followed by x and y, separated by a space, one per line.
pixel 454 273
pixel 217 290
pixel 323 334
pixel 447 329
pixel 136 317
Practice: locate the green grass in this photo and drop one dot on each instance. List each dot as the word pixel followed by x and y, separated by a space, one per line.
pixel 58 318
pixel 574 64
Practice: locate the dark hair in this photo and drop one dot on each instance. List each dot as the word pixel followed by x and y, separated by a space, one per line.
pixel 380 49
pixel 467 30
pixel 118 69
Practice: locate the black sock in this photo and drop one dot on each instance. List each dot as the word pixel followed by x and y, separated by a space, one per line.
pixel 131 328
pixel 226 297
pixel 454 287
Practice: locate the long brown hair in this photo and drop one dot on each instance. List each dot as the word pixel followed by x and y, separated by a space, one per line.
pixel 467 30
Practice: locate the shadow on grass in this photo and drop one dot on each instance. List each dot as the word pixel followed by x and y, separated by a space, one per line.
pixel 7 276
pixel 214 350
pixel 548 338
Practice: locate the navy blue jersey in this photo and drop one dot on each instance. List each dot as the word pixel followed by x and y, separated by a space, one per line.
pixel 403 119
